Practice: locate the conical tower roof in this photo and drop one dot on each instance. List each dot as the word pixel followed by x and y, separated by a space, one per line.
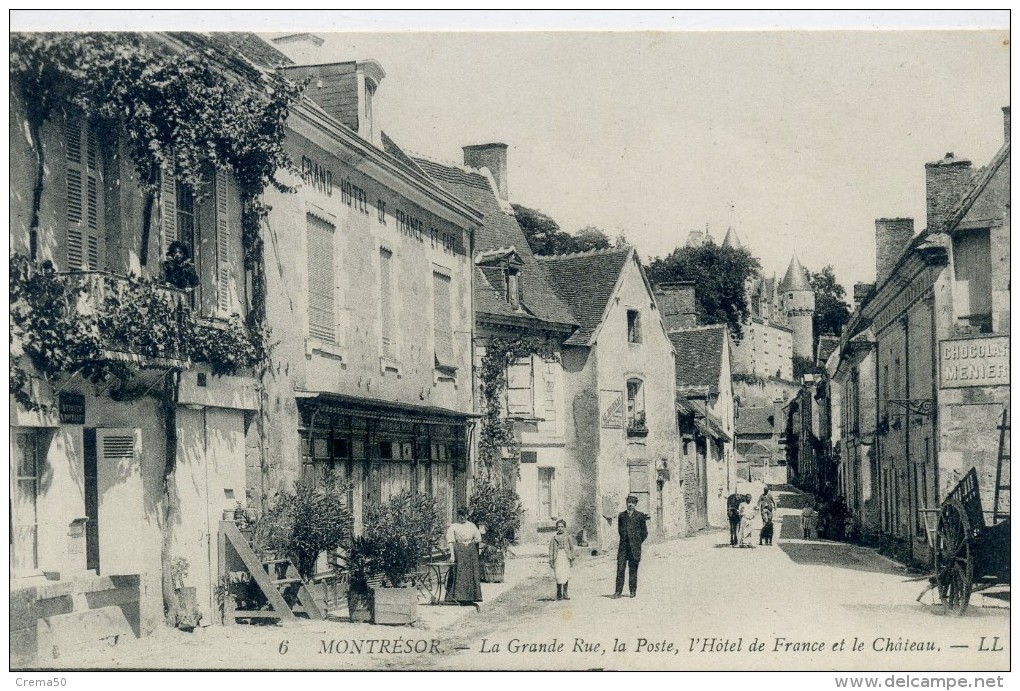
pixel 795 278
pixel 731 240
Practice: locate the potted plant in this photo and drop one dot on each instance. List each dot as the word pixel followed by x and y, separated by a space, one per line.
pixel 637 427
pixel 357 562
pixel 399 536
pixel 186 614
pixel 497 510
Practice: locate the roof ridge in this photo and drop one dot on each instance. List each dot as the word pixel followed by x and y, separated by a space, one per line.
pixel 585 253
pixel 702 327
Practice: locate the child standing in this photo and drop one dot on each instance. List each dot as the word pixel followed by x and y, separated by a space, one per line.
pixel 562 553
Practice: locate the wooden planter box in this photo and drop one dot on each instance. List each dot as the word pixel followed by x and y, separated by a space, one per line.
pixel 395 606
pixel 360 607
pixel 491 571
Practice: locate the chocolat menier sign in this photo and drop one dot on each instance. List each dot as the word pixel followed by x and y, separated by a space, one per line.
pixel 974 362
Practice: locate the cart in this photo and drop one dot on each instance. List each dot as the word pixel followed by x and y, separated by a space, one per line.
pixel 971 555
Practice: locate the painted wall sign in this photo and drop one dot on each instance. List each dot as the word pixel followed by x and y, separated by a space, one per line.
pixel 611 409
pixel 72 408
pixel 974 362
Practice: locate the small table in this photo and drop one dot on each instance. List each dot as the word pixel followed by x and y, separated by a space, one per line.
pixel 430 580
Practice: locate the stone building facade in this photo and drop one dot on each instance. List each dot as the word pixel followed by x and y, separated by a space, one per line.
pixel 513 302
pixel 935 334
pixel 369 297
pixel 87 471
pixel 619 397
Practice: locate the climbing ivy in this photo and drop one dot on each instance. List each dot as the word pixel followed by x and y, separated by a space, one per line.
pixel 64 323
pixel 499 452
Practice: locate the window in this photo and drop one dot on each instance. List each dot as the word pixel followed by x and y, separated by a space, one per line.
pixel 546 494
pixel 26 457
pixel 389 335
pixel 972 291
pixel 633 326
pixel 513 287
pixel 636 408
pixel 321 280
pixel 520 399
pixel 84 190
pixel 442 321
pixel 549 402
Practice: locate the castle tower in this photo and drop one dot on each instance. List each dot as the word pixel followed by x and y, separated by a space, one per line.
pixel 731 240
pixel 798 300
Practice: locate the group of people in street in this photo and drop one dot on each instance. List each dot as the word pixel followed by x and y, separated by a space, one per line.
pixel 741 514
pixel 464 540
pixel 632 526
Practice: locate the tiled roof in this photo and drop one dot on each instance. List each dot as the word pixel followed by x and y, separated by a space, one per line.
pixel 698 356
pixel 499 231
pixel 826 346
pixel 390 147
pixel 795 278
pixel 585 281
pixel 250 46
pixel 754 421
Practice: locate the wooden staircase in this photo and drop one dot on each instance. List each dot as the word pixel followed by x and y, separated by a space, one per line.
pixel 274 578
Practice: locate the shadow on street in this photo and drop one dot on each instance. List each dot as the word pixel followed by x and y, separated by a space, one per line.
pixel 839 555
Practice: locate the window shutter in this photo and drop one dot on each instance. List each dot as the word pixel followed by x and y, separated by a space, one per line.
pixel 519 390
pixel 321 283
pixel 167 209
pixel 92 198
pixel 76 176
pixel 550 391
pixel 386 294
pixel 222 244
pixel 443 320
pixel 121 506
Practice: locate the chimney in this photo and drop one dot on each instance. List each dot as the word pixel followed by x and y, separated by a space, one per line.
pixel 493 157
pixel 1005 124
pixel 861 292
pixel 892 235
pixel 345 90
pixel 677 302
pixel 303 49
pixel 945 182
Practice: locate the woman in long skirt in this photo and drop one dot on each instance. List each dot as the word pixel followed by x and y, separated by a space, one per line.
pixel 464 539
pixel 561 556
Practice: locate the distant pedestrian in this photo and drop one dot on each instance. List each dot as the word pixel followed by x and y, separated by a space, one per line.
pixel 562 552
pixel 765 537
pixel 633 528
pixel 807 519
pixel 733 514
pixel 767 500
pixel 747 515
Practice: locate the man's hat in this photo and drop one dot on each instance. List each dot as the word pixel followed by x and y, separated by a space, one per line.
pixel 631 499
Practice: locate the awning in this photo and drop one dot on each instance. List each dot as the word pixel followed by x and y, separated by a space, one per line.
pixel 383 410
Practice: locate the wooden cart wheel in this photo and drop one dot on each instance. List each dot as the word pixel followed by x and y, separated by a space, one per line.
pixel 954 560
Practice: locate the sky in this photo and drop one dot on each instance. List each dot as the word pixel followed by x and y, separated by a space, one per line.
pixel 799 140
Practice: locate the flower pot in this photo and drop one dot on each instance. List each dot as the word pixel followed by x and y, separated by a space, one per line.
pixel 360 607
pixel 395 606
pixel 491 571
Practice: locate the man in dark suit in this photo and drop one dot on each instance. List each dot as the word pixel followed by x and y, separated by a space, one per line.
pixel 633 526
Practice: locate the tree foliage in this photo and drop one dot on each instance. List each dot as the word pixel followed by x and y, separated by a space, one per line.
pixel 545 236
pixel 831 309
pixel 401 533
pixel 719 275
